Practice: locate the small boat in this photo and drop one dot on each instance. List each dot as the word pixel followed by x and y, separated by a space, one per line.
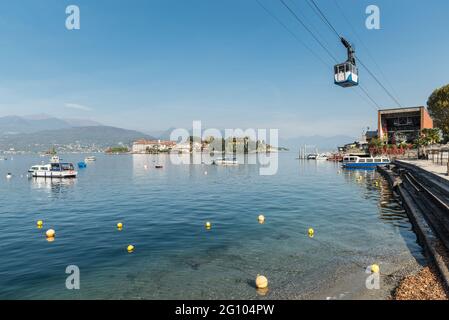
pixel 364 162
pixel 158 166
pixel 55 169
pixel 225 162
pixel 312 156
pixel 321 157
pixel 90 159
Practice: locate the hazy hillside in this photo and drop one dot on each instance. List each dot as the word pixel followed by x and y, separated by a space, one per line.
pixel 94 136
pixel 16 124
pixel 39 122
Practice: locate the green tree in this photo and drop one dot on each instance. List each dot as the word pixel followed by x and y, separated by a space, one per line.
pixel 438 105
pixel 432 136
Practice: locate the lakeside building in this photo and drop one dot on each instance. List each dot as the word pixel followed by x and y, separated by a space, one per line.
pixel 148 146
pixel 187 147
pixel 403 124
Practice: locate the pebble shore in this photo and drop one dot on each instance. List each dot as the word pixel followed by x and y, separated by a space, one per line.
pixel 423 285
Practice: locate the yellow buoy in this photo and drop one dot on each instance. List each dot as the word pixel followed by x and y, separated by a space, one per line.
pixel 208 225
pixel 262 292
pixel 261 282
pixel 40 224
pixel 119 225
pixel 375 268
pixel 311 232
pixel 261 219
pixel 50 233
pixel 130 248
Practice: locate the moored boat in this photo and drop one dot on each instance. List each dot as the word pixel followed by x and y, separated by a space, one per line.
pixel 225 162
pixel 364 162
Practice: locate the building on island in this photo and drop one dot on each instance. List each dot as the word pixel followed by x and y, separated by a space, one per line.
pixel 152 146
pixel 403 124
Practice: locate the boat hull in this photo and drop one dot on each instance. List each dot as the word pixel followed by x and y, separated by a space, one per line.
pixel 364 165
pixel 54 174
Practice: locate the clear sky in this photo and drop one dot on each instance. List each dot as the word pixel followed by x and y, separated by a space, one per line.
pixel 150 65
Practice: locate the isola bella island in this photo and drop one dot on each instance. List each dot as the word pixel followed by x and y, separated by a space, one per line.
pixel 198 159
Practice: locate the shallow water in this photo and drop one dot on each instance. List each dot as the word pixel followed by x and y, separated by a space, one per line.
pixel 164 210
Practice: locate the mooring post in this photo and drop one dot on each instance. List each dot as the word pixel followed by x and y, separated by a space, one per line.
pixel 447 165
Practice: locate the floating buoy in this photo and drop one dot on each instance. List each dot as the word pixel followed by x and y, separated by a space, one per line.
pixel 130 248
pixel 205 173
pixel 261 282
pixel 119 226
pixel 50 233
pixel 375 268
pixel 208 225
pixel 9 176
pixel 311 232
pixel 261 219
pixel 145 167
pixel 40 223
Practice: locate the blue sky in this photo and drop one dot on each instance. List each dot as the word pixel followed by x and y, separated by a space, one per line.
pixel 150 65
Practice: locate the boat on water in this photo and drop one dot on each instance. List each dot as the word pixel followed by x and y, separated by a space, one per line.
pixel 321 157
pixel 55 169
pixel 82 165
pixel 225 162
pixel 355 162
pixel 90 159
pixel 317 156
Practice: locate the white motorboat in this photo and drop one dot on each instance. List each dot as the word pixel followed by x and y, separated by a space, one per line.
pixel 321 157
pixel 55 169
pixel 90 159
pixel 226 162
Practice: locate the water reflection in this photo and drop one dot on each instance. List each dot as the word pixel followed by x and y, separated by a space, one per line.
pixel 375 186
pixel 53 186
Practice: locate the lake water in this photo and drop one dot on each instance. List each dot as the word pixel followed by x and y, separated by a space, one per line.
pixel 164 211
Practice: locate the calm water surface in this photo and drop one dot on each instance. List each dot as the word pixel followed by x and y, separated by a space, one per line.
pixel 164 211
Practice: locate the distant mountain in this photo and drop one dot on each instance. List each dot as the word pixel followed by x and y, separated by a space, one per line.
pixel 39 122
pixel 162 134
pixel 82 123
pixel 322 143
pixel 71 139
pixel 16 124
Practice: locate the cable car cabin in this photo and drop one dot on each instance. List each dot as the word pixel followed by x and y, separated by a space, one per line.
pixel 346 75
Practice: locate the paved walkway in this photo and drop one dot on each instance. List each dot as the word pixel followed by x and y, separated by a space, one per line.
pixel 439 170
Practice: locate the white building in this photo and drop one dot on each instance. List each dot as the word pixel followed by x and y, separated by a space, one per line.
pixel 144 146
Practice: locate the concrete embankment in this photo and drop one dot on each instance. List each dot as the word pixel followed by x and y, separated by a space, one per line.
pixel 425 196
